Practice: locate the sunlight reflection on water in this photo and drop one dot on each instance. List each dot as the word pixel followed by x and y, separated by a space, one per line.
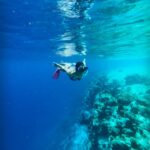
pixel 109 29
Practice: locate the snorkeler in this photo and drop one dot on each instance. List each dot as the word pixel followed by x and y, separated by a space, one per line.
pixel 75 71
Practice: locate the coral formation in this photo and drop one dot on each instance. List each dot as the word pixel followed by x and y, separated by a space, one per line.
pixel 116 115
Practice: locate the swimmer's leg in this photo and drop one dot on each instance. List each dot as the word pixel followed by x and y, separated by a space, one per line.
pixel 60 66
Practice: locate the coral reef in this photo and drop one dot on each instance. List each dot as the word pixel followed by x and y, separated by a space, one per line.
pixel 116 114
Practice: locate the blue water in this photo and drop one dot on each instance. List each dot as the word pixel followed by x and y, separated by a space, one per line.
pixel 37 112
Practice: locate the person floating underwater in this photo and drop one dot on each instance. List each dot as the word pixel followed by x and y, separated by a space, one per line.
pixel 75 71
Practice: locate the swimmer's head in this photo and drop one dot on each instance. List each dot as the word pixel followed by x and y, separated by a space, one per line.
pixel 80 67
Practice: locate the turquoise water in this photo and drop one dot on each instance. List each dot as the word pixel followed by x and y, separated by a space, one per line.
pixel 105 28
pixel 109 108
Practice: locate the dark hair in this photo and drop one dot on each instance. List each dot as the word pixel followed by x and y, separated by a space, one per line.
pixel 78 65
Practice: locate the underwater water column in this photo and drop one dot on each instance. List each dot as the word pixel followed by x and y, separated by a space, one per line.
pixel 115 110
